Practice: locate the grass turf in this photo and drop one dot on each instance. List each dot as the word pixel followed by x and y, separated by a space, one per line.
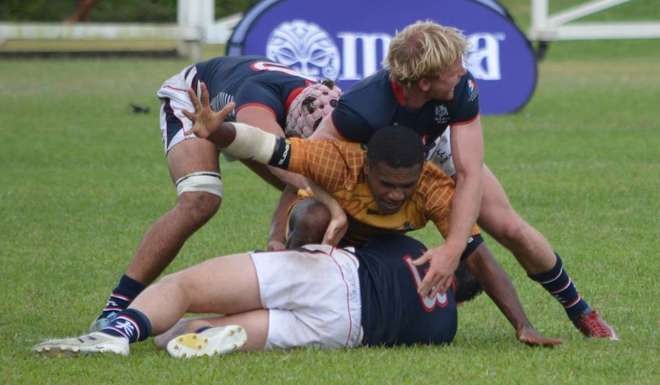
pixel 83 178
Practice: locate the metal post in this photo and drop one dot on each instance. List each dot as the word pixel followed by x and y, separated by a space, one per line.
pixel 539 18
pixel 194 17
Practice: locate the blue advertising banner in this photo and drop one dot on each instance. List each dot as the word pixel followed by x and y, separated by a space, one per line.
pixel 347 40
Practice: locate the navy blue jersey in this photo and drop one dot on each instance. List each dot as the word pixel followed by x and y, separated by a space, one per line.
pixel 250 80
pixel 376 102
pixel 393 313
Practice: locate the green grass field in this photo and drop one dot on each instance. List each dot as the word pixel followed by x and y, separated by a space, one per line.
pixel 82 179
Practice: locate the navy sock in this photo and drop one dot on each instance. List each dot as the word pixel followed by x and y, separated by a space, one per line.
pixel 131 324
pixel 557 282
pixel 122 295
pixel 199 330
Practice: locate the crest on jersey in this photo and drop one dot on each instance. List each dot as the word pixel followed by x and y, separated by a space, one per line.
pixel 305 47
pixel 441 114
pixel 472 89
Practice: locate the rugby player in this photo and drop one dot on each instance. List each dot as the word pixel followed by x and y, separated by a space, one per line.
pixel 426 87
pixel 316 295
pixel 265 94
pixel 388 188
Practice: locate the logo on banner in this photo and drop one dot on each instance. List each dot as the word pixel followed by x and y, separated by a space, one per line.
pixel 347 50
pixel 305 47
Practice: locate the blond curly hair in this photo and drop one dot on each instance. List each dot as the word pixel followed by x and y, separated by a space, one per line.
pixel 422 50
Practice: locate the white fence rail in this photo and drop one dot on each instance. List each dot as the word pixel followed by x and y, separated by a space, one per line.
pixel 546 27
pixel 196 24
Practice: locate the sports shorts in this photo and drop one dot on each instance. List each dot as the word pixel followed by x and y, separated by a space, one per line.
pixel 313 297
pixel 174 100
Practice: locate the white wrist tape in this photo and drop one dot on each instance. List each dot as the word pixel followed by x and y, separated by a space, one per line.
pixel 251 143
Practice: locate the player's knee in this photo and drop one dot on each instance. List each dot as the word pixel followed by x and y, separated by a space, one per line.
pixel 178 283
pixel 167 283
pixel 307 223
pixel 200 194
pixel 510 231
pixel 199 206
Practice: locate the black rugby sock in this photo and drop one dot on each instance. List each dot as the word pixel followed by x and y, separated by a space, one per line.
pixel 122 295
pixel 557 282
pixel 131 324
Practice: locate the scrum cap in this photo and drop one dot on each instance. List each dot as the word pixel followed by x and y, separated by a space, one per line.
pixel 310 106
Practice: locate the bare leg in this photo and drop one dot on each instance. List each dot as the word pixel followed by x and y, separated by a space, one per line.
pixel 497 284
pixel 498 218
pixel 224 285
pixel 168 234
pixel 536 256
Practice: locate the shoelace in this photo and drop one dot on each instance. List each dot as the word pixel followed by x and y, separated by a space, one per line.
pixel 593 324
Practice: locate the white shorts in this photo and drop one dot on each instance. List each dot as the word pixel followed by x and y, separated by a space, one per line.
pixel 313 297
pixel 440 153
pixel 174 99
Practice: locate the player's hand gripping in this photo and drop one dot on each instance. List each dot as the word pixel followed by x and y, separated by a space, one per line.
pixel 338 224
pixel 442 265
pixel 530 336
pixel 205 120
pixel 337 227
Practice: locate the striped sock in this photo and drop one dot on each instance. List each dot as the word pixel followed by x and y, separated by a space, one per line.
pixel 122 295
pixel 131 324
pixel 557 282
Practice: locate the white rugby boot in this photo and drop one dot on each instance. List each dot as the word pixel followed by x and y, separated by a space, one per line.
pixel 210 342
pixel 92 343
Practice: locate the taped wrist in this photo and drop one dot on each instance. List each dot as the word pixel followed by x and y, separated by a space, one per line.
pixel 251 143
pixel 281 154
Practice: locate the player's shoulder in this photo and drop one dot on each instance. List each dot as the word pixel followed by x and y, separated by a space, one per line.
pixel 433 178
pixel 465 104
pixel 376 85
pixel 367 106
pixel 228 63
pixel 329 146
pixel 391 246
pixel 466 91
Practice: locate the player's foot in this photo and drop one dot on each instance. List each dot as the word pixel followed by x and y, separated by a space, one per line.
pixel 592 325
pixel 102 322
pixel 91 343
pixel 218 340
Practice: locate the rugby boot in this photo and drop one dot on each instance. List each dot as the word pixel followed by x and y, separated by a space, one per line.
pixel 592 325
pixel 210 342
pixel 92 343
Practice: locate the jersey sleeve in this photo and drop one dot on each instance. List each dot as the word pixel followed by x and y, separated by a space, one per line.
pixel 257 93
pixel 465 105
pixel 350 124
pixel 320 161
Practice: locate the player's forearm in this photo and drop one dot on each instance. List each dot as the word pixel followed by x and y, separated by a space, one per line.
pixel 290 178
pixel 243 141
pixel 324 197
pixel 464 211
pixel 498 286
pixel 278 223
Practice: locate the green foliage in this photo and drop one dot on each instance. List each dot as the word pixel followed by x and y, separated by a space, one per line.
pixel 108 10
